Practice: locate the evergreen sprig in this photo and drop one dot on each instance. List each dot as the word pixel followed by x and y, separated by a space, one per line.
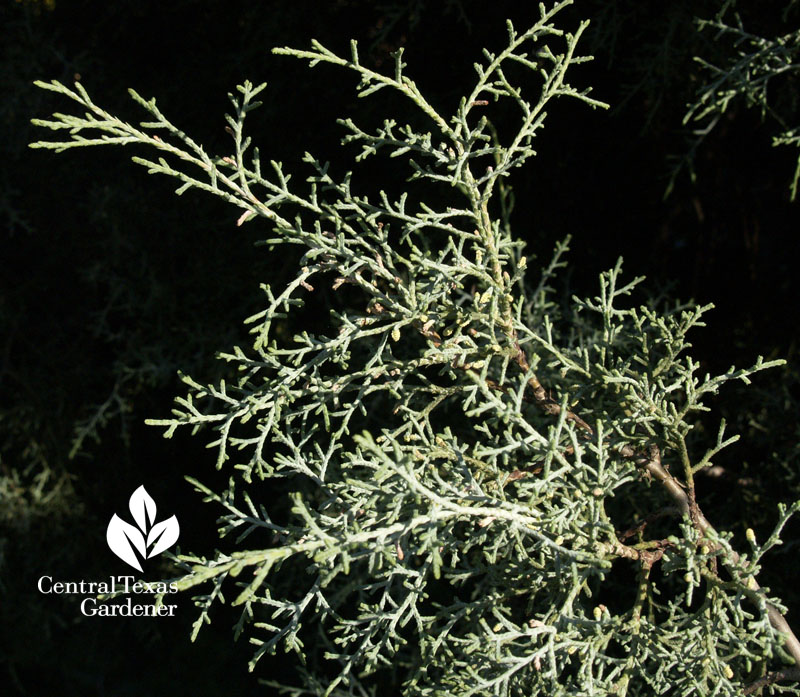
pixel 760 72
pixel 470 473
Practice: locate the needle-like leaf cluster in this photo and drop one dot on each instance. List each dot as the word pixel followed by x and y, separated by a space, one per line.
pixel 478 490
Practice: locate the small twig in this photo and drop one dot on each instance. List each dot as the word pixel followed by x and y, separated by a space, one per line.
pixel 771 678
pixel 636 529
pixel 651 463
pixel 540 394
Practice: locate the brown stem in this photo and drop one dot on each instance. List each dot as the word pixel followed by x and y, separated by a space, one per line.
pixel 540 394
pixel 771 678
pixel 651 464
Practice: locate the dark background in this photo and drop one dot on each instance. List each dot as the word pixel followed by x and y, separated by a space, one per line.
pixel 110 284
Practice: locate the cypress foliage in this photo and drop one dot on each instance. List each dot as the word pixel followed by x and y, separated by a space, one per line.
pixel 483 491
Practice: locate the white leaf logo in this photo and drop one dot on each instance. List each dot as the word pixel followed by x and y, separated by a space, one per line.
pixel 143 508
pixel 125 539
pixel 162 536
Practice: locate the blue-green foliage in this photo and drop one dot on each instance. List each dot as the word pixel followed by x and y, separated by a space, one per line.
pixel 486 493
